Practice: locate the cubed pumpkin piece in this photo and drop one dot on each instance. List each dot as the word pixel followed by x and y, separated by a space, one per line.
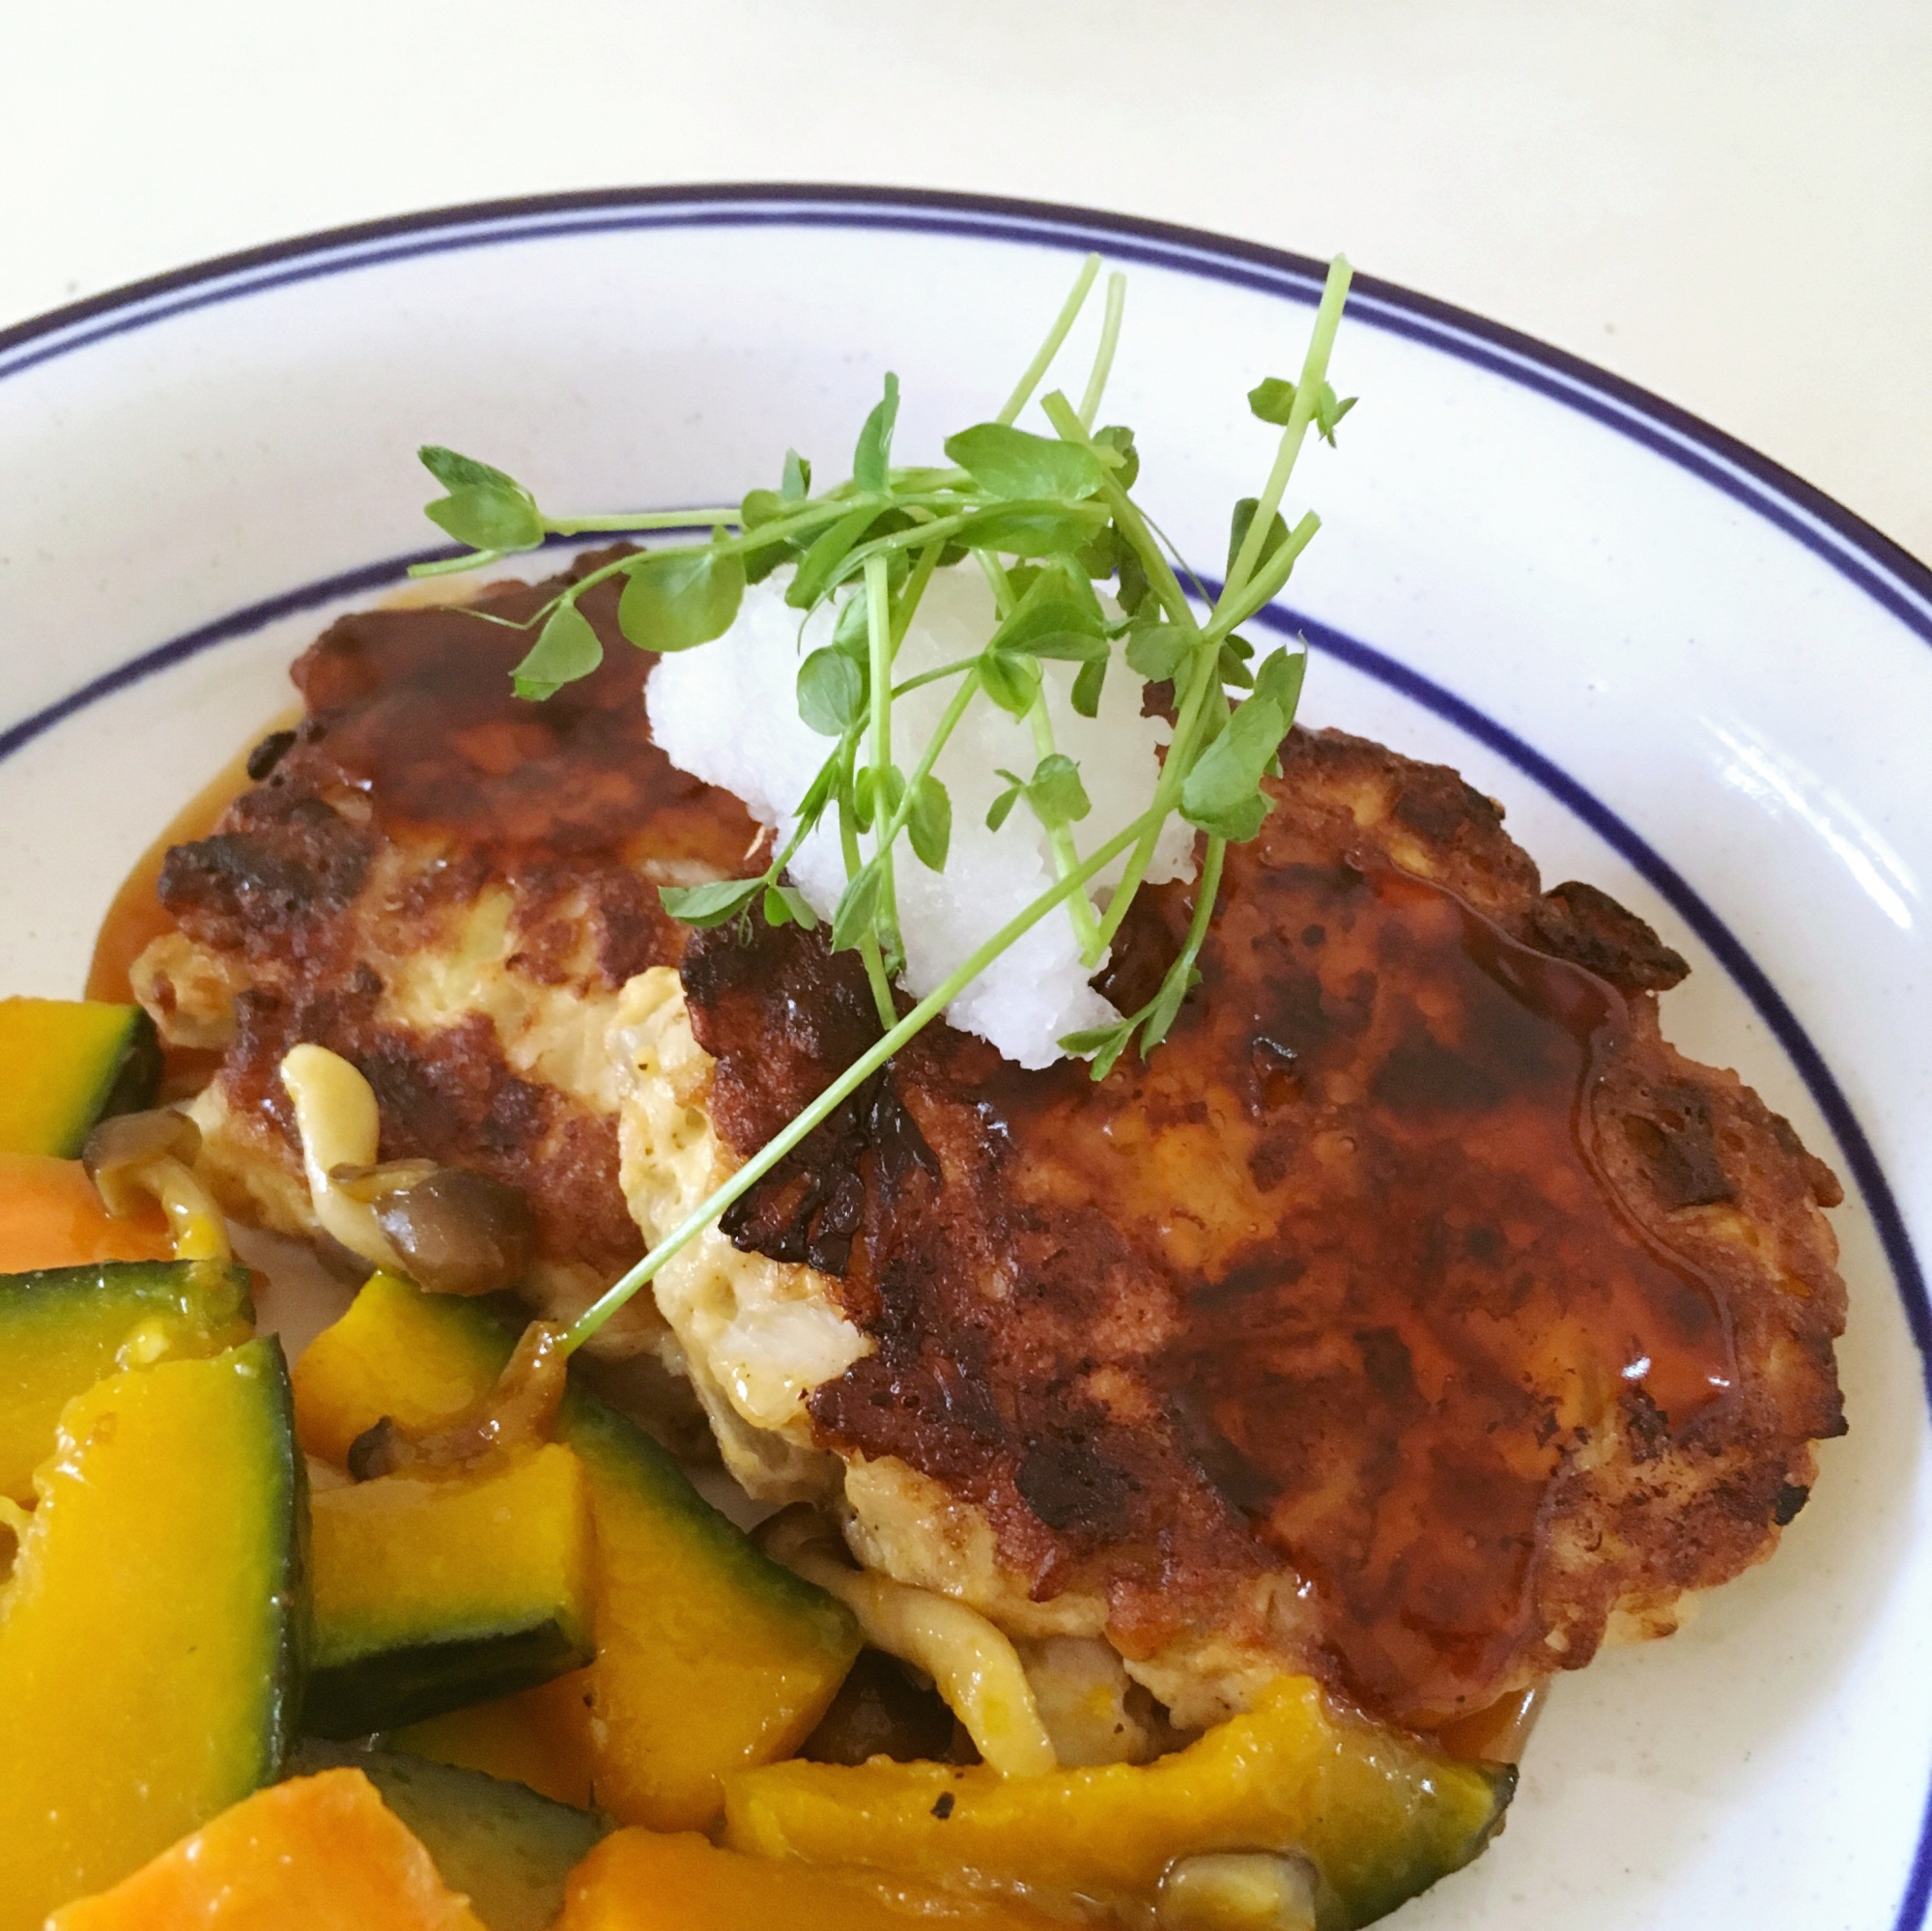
pixel 50 1216
pixel 66 1062
pixel 432 1592
pixel 149 1632
pixel 638 1880
pixel 65 1328
pixel 1378 1814
pixel 504 1847
pixel 319 1854
pixel 710 1656
pixel 525 1737
pixel 417 1358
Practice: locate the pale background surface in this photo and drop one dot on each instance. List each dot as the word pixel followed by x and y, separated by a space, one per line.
pixel 1728 201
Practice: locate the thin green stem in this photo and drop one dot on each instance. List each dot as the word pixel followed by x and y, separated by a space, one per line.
pixel 879 639
pixel 451 566
pixel 1307 394
pixel 915 589
pixel 1211 861
pixel 868 945
pixel 1103 356
pixel 1068 314
pixel 997 580
pixel 1059 837
pixel 1166 791
pixel 841 1089
pixel 949 723
pixel 1265 586
pixel 578 525
pixel 1165 584
pixel 937 676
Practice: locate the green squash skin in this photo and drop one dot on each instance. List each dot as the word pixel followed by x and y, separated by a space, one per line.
pixel 62 1328
pixel 388 1690
pixel 1383 1883
pixel 613 1445
pixel 506 1848
pixel 616 1446
pixel 285 1509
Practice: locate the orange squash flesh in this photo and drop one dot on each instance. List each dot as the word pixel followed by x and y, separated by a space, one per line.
pixel 638 1880
pixel 432 1592
pixel 65 1062
pixel 52 1217
pixel 149 1632
pixel 528 1737
pixel 317 1854
pixel 710 1656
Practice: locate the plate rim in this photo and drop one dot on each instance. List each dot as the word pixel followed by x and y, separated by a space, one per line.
pixel 1566 377
pixel 1856 550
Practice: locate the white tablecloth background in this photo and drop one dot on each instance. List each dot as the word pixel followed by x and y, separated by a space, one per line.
pixel 1729 201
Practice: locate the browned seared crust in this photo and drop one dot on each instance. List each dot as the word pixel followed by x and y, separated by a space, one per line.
pixel 1416 1263
pixel 415 783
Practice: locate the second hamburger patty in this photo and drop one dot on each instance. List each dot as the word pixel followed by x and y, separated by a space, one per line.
pixel 1416 1314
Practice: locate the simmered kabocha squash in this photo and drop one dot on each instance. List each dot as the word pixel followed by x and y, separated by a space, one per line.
pixel 150 1634
pixel 63 1328
pixel 502 1846
pixel 431 1592
pixel 322 1852
pixel 638 1881
pixel 710 1656
pixel 50 1216
pixel 1379 1816
pixel 66 1062
pixel 524 1739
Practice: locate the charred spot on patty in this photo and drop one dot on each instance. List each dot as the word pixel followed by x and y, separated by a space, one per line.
pixel 1379 1275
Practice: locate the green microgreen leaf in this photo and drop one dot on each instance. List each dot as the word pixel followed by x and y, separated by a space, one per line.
pixel 1165 1007
pixel 785 904
pixel 1056 793
pixel 484 508
pixel 566 649
pixel 871 459
pixel 760 506
pixel 1278 678
pixel 929 826
pixel 1238 533
pixel 855 916
pixel 831 693
pixel 1329 413
pixel 1133 590
pixel 796 483
pixel 1002 808
pixel 1158 650
pixel 676 599
pixel 1012 681
pixel 1120 438
pixel 1019 466
pixel 876 794
pixel 1103 1044
pixel 709 904
pixel 1035 528
pixel 829 550
pixel 1089 684
pixel 1222 793
pixel 1272 400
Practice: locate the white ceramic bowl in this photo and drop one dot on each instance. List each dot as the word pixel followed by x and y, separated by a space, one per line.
pixel 1693 679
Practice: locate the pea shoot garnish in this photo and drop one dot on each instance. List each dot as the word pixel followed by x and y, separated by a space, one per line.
pixel 1045 517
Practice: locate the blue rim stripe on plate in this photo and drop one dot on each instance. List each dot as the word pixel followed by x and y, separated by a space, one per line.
pixel 1885 572
pixel 1896 580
